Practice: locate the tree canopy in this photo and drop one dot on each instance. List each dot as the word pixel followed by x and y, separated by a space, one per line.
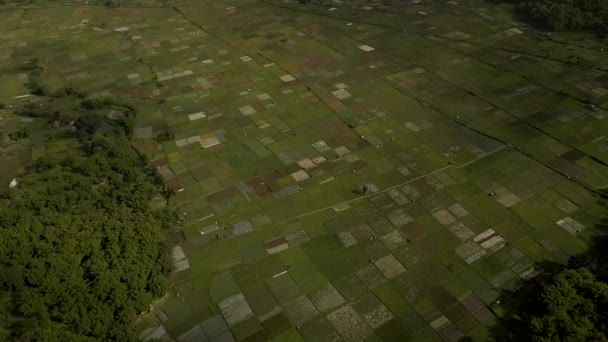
pixel 82 252
pixel 570 304
pixel 574 308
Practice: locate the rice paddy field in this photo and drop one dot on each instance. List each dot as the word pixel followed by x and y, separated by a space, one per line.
pixel 356 171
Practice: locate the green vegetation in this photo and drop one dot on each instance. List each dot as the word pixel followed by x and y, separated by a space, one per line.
pixel 165 136
pixel 20 133
pixel 357 171
pixel 560 15
pixel 570 304
pixel 81 251
pixel 575 307
pixel 35 71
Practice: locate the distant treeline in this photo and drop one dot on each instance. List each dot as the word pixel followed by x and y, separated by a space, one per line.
pixel 561 15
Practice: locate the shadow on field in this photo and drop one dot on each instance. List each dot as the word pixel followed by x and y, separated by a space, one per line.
pixel 519 306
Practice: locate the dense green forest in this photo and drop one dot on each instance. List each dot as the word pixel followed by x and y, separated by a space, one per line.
pixel 568 303
pixel 82 251
pixel 562 15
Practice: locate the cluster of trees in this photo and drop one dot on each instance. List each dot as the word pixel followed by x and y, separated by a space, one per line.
pixel 82 252
pixel 569 304
pixel 560 15
pixel 35 70
pixel 20 133
pixel 166 135
pixel 69 107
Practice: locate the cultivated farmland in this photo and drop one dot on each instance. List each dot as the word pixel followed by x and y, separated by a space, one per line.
pixel 357 171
